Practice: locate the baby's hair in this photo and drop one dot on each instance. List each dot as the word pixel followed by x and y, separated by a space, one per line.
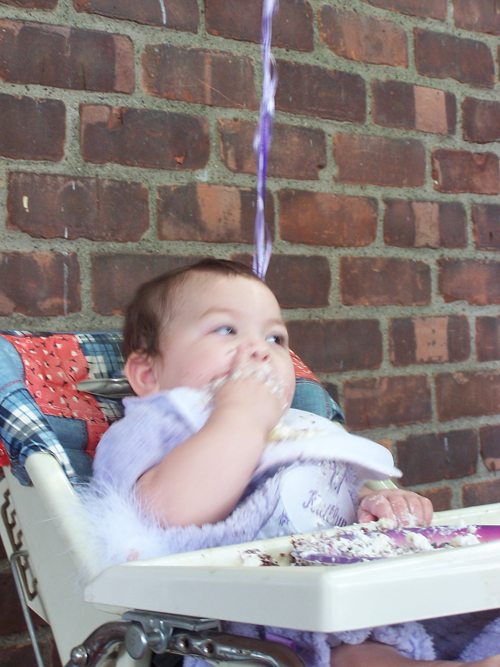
pixel 153 302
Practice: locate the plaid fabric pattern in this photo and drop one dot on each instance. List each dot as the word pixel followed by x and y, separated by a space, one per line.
pixel 23 425
pixel 53 365
pixel 24 430
pixel 312 397
pixel 103 351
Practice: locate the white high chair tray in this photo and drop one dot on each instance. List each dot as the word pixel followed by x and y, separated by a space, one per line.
pixel 214 583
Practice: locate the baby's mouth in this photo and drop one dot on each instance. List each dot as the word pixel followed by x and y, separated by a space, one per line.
pixel 263 372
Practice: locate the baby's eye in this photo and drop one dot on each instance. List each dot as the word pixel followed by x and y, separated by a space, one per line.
pixel 277 339
pixel 225 330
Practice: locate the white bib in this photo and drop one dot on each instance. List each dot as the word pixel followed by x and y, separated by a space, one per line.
pixel 316 497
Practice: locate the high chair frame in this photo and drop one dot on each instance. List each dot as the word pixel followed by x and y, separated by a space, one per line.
pixel 174 604
pixel 45 533
pixel 50 548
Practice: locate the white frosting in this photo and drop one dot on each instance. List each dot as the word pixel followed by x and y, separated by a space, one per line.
pixel 465 540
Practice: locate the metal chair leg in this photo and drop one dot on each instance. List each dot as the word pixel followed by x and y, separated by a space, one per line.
pixel 14 563
pixel 142 631
pixel 99 644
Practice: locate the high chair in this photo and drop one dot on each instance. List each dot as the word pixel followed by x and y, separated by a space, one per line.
pixel 174 604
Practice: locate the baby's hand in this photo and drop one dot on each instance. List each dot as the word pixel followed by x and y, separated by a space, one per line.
pixel 405 507
pixel 252 387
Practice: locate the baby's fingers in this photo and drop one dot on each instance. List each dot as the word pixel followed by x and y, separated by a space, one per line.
pixel 428 511
pixel 375 506
pixel 422 509
pixel 408 510
pixel 411 509
pixel 404 507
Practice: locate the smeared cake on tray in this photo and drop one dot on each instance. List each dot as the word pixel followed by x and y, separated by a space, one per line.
pixel 371 541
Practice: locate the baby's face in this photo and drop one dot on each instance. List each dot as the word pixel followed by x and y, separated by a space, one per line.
pixel 213 317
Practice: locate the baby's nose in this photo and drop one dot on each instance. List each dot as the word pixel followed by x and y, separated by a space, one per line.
pixel 258 350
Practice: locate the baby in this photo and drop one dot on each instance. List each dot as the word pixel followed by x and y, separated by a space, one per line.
pixel 207 355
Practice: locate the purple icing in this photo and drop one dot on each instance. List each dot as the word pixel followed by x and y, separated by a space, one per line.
pixel 439 535
pixel 335 550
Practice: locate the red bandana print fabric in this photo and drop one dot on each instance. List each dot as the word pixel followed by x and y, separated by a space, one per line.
pixel 301 370
pixel 52 366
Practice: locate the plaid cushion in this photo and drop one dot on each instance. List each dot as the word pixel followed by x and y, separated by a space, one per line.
pixel 103 353
pixel 40 405
pixel 42 410
pixel 24 429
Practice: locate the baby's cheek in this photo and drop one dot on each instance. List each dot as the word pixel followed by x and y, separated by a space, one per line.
pixel 288 396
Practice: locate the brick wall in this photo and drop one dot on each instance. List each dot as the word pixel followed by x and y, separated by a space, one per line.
pixel 125 149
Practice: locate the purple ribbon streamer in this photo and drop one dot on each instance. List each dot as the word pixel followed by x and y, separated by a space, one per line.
pixel 262 140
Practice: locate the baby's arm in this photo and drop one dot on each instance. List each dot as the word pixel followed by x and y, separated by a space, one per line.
pixel 202 479
pixel 405 507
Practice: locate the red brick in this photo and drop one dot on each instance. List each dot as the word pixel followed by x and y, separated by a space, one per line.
pixel 39 284
pixel 316 91
pixel 371 281
pixel 472 280
pixel 143 137
pixel 296 152
pixel 462 171
pixel 175 14
pixel 429 340
pixel 211 213
pixel 443 56
pixel 11 614
pixel 17 656
pixel 481 493
pixel 31 4
pixel 394 104
pixel 488 338
pixel 431 9
pixel 362 37
pixel 298 281
pixel 481 120
pixel 425 224
pixel 489 437
pixel 440 497
pixel 206 77
pixel 479 15
pixel 32 129
pixel 318 218
pixel 48 206
pixel 402 105
pixel 337 345
pixel 240 19
pixel 437 456
pixel 486 219
pixel 467 394
pixel 115 277
pixel 386 401
pixel 65 57
pixel 382 161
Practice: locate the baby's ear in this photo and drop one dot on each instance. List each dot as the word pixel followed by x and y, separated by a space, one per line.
pixel 139 372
